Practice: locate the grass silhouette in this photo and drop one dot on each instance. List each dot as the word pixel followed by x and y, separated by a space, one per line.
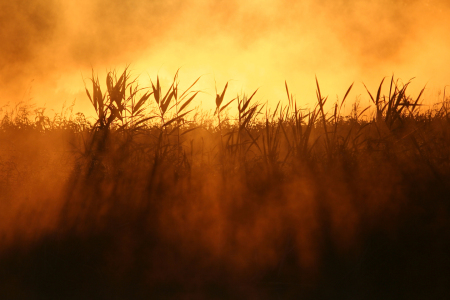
pixel 157 200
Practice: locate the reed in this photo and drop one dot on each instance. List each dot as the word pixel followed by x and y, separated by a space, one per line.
pixel 154 197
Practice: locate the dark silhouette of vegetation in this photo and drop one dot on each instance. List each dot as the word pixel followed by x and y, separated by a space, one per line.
pixel 154 200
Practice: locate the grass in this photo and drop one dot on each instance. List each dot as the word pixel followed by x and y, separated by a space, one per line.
pixel 156 200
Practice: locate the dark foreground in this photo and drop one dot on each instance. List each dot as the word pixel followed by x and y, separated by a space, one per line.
pixel 293 206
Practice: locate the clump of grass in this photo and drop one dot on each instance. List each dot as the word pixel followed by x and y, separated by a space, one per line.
pixel 179 198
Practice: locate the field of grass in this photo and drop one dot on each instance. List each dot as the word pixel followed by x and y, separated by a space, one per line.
pixel 157 200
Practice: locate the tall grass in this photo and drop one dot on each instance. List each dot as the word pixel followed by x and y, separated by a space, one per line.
pixel 156 199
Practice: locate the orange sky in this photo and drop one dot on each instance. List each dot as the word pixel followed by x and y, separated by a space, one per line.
pixel 48 45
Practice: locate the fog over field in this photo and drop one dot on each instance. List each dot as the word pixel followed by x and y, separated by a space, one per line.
pixel 304 189
pixel 48 46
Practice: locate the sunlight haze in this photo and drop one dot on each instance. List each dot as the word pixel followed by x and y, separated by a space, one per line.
pixel 49 46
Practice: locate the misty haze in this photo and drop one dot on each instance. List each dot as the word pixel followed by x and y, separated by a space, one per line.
pixel 224 149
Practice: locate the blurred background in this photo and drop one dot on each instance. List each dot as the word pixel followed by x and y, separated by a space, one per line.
pixel 50 46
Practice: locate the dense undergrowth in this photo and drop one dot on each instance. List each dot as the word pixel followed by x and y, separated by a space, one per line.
pixel 156 200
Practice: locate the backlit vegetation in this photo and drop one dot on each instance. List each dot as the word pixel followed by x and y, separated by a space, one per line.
pixel 155 198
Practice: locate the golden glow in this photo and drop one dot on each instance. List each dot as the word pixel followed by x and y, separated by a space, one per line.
pixel 49 45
